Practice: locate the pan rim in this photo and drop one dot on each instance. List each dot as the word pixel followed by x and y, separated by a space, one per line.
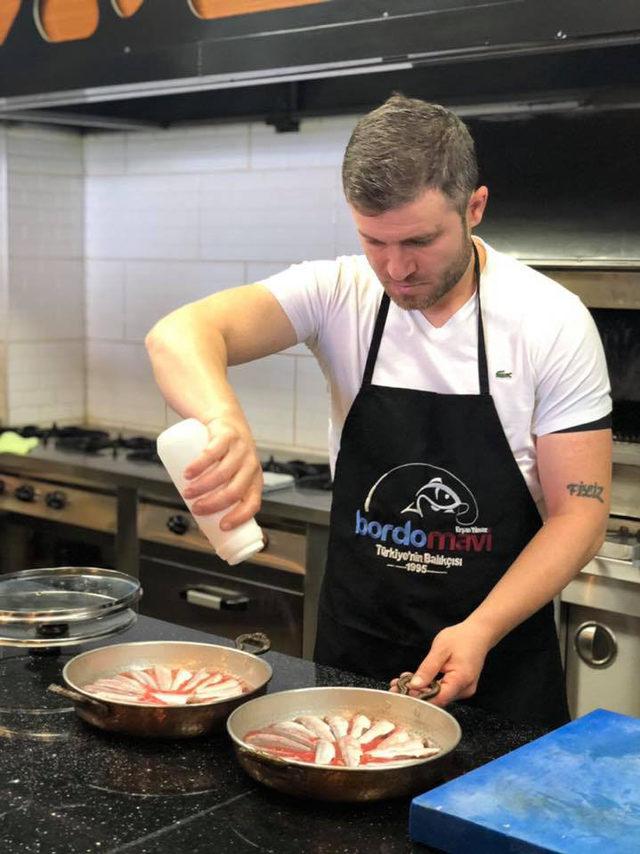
pixel 276 760
pixel 194 706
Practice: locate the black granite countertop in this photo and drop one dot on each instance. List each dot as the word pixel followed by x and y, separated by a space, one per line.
pixel 68 788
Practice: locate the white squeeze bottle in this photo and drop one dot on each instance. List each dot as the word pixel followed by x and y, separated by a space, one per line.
pixel 178 446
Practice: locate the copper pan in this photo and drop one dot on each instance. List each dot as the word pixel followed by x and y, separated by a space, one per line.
pixel 162 721
pixel 367 783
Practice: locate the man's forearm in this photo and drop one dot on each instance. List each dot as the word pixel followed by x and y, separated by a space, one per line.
pixel 552 558
pixel 191 372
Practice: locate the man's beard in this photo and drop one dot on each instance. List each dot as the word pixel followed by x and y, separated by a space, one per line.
pixel 448 280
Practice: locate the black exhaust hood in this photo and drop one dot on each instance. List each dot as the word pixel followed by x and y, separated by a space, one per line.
pixel 164 64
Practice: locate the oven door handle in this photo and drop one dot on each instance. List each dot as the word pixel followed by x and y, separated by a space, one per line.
pixel 217 598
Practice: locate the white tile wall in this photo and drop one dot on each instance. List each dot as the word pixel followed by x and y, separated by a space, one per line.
pixel 105 299
pixel 46 299
pixel 154 288
pixel 312 405
pixel 266 391
pixel 121 390
pixel 264 216
pixel 46 381
pixel 318 143
pixel 4 270
pixel 142 216
pixel 109 232
pixel 36 151
pixel 199 150
pixel 172 216
pixel 45 302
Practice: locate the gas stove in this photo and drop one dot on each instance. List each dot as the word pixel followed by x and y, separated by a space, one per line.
pixel 142 449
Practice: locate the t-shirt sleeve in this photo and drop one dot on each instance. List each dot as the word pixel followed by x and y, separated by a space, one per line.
pixel 305 292
pixel 572 385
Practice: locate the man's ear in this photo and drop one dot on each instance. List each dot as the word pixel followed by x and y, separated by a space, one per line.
pixel 476 206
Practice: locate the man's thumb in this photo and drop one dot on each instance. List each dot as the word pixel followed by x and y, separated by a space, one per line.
pixel 429 669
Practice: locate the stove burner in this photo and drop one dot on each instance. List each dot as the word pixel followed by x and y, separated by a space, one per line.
pixel 91 442
pixel 145 456
pixel 310 475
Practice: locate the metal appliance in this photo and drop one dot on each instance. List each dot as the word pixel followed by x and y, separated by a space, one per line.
pixel 600 609
pixel 49 520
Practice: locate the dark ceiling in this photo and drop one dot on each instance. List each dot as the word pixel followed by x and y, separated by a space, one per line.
pixel 594 79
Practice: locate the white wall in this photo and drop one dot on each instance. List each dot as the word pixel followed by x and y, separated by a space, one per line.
pixel 4 272
pixel 43 312
pixel 175 215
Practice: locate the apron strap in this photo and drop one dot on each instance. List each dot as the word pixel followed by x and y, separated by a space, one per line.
pixel 375 340
pixel 483 368
pixel 381 318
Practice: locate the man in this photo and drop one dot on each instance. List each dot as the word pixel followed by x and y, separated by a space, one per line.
pixel 469 394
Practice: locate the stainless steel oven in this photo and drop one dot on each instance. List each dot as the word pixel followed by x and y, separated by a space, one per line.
pixel 600 625
pixel 185 583
pixel 53 517
pixel 600 609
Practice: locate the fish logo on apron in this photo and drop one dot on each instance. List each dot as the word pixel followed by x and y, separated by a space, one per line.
pixel 434 529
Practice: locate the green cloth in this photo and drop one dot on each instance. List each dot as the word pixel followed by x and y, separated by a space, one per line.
pixel 13 443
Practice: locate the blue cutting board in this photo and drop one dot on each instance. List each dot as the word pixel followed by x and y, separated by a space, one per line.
pixel 574 790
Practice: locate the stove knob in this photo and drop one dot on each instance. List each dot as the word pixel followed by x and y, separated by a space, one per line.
pixel 178 524
pixel 25 492
pixel 56 500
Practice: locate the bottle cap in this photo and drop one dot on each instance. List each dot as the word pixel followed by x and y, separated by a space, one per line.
pixel 240 543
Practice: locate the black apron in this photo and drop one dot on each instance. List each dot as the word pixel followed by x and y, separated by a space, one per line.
pixel 429 511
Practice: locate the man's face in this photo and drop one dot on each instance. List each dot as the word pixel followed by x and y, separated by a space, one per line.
pixel 421 250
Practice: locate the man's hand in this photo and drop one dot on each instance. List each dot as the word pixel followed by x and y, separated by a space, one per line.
pixel 228 472
pixel 458 652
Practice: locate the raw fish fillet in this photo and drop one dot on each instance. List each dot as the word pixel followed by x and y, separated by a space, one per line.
pixel 359 724
pixel 270 740
pixel 317 726
pixel 379 729
pixel 339 725
pixel 398 736
pixel 310 739
pixel 412 749
pixel 350 751
pixel 180 679
pixel 163 686
pixel 295 731
pixel 163 677
pixel 325 752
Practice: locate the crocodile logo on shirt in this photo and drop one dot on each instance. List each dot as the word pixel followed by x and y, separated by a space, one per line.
pixel 504 375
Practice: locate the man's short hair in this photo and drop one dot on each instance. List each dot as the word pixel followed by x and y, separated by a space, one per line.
pixel 404 147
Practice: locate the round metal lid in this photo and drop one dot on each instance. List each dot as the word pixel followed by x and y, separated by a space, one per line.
pixel 63 605
pixel 45 635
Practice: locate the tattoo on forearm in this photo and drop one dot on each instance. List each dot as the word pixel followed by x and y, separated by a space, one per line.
pixel 586 490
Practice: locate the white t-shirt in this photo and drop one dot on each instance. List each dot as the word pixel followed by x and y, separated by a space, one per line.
pixel 538 335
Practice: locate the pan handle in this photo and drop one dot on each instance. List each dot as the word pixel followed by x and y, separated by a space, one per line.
pixel 81 699
pixel 256 643
pixel 429 692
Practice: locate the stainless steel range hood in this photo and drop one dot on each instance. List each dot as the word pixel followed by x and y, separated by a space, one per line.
pixel 493 57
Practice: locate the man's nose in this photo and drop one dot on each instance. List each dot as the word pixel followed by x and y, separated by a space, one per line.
pixel 399 265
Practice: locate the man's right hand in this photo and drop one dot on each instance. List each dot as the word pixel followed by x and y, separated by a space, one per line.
pixel 227 473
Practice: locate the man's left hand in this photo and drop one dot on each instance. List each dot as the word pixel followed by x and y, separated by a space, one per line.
pixel 458 652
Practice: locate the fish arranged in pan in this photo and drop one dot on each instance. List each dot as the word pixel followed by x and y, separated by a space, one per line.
pixel 165 686
pixel 347 740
